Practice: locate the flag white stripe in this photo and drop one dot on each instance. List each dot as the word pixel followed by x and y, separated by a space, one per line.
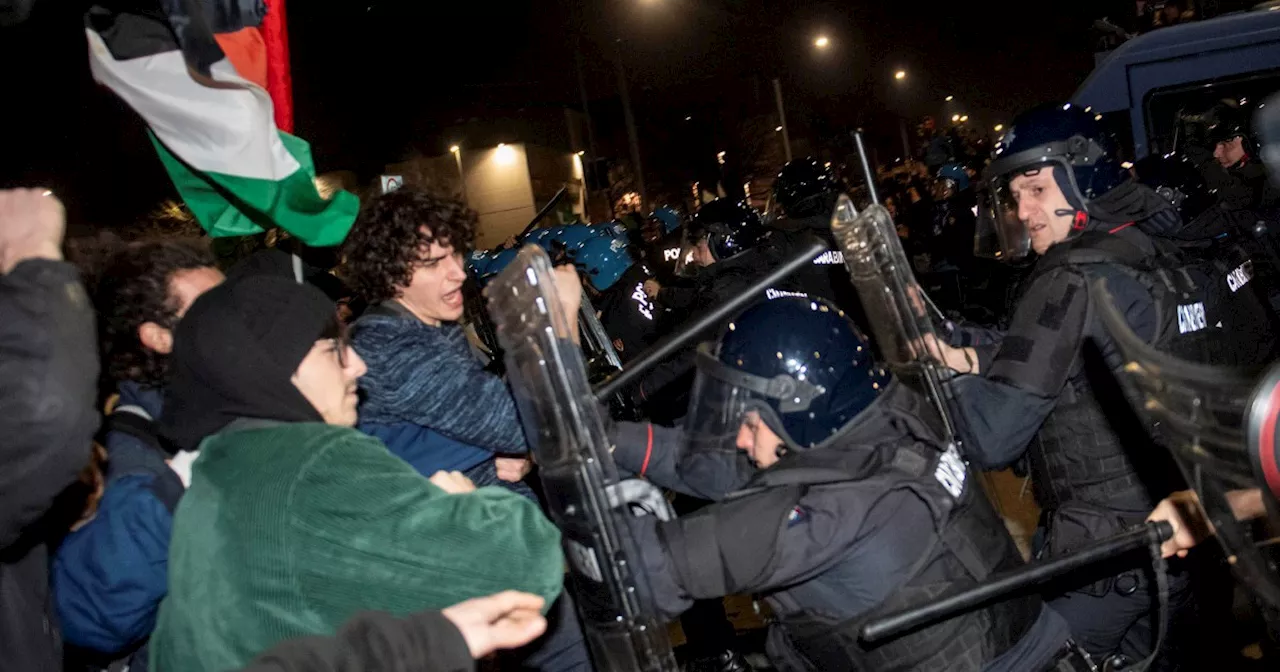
pixel 225 126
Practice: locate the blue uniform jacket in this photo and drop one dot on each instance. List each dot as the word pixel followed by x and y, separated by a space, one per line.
pixel 110 575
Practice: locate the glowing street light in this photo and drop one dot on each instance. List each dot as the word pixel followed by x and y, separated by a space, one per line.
pixel 778 129
pixel 720 157
pixel 955 117
pixel 454 149
pixel 950 98
pixel 964 118
pixel 822 42
pixel 900 75
pixel 999 127
pixel 504 154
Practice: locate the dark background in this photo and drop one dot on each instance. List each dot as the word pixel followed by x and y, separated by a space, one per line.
pixel 377 81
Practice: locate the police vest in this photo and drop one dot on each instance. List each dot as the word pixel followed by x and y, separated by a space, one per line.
pixel 1085 477
pixel 971 544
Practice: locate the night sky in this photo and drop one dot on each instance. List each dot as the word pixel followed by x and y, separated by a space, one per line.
pixel 377 81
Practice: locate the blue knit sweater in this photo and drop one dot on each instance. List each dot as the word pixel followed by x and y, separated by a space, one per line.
pixel 428 398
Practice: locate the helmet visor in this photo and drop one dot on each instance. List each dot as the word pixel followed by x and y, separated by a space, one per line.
pixel 1000 233
pixel 723 395
pixel 717 409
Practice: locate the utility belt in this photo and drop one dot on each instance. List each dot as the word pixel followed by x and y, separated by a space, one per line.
pixel 1075 525
pixel 806 643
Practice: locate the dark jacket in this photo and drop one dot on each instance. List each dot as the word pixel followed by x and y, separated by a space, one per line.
pixel 628 315
pixel 831 551
pixel 425 642
pixel 110 575
pixel 428 398
pixel 711 287
pixel 49 365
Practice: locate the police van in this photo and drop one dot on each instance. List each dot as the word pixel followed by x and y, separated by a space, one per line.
pixel 1150 90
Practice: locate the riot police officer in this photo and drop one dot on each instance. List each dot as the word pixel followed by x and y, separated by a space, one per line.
pixel 1056 187
pixel 1223 244
pixel 724 237
pixel 805 193
pixel 1236 151
pixel 721 235
pixel 617 291
pixel 662 238
pixel 847 503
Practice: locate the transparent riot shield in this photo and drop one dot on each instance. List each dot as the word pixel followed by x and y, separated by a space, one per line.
pixel 1219 424
pixel 587 501
pixel 903 321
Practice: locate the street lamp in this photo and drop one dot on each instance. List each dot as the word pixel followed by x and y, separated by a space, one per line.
pixel 456 151
pixel 504 154
pixel 950 98
pixel 778 129
pixel 900 75
pixel 955 118
pixel 999 127
pixel 964 118
pixel 822 42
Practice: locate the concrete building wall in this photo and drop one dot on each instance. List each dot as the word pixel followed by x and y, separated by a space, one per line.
pixel 500 190
pixel 505 185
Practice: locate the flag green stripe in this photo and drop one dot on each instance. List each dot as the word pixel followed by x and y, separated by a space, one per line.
pixel 231 205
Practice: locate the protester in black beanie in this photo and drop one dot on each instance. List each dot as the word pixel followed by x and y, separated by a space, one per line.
pixel 235 352
pixel 295 521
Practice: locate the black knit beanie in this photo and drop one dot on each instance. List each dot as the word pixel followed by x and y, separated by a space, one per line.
pixel 235 352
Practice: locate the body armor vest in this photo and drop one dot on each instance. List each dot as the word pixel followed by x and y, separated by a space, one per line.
pixel 971 543
pixel 1083 475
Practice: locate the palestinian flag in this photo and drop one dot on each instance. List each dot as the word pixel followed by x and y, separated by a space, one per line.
pixel 197 71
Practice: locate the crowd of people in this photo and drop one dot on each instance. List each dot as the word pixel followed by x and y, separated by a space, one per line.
pixel 216 469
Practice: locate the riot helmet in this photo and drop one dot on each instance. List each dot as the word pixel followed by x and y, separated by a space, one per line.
pixel 537 236
pixel 1228 124
pixel 603 261
pixel 667 218
pixel 478 263
pixel 729 227
pixel 797 361
pixel 499 261
pixel 571 238
pixel 613 229
pixel 1067 141
pixel 1178 180
pixel 950 180
pixel 805 188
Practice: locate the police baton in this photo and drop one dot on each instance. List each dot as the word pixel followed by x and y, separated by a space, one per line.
pixel 996 588
pixel 546 209
pixel 651 357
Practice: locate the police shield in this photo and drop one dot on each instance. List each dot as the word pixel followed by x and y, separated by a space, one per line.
pixel 597 339
pixel 586 498
pixel 1220 426
pixel 903 321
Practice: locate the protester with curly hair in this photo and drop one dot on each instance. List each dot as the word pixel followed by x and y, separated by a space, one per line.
pixel 109 574
pixel 425 394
